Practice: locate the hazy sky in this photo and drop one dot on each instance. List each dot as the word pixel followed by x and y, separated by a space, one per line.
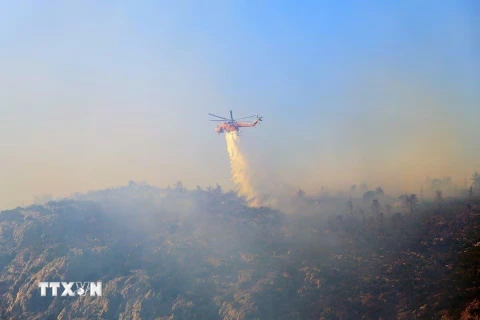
pixel 96 93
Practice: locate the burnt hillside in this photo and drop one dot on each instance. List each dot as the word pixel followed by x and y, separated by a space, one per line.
pixel 202 254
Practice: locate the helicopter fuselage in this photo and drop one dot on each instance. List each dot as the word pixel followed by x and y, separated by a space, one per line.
pixel 226 127
pixel 229 127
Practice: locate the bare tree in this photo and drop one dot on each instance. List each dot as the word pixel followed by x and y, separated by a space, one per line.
pixel 476 181
pixel 379 191
pixel 378 212
pixel 376 206
pixel 410 201
pixel 179 186
pixel 439 197
pixel 349 206
pixel 300 193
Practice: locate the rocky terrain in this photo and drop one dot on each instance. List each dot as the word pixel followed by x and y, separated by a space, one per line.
pixel 203 254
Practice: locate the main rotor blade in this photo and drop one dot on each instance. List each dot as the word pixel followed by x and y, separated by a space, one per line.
pixel 219 120
pixel 247 117
pixel 218 117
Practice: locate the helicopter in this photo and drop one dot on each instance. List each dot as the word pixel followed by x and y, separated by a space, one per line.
pixel 232 125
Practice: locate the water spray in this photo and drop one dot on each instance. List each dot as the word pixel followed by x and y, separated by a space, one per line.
pixel 239 170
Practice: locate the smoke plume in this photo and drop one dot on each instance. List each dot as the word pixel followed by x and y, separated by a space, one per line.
pixel 240 172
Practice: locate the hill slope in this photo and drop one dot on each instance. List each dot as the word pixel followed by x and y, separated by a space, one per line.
pixel 164 254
